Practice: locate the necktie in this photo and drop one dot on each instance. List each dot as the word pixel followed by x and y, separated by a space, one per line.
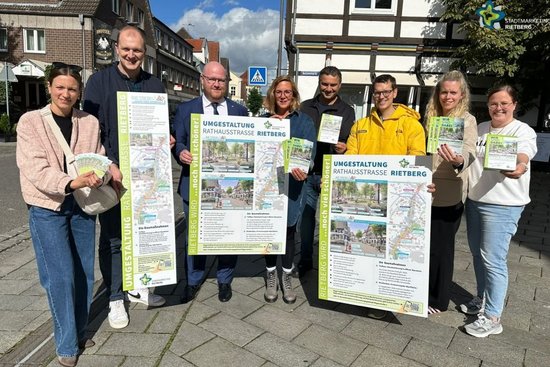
pixel 215 107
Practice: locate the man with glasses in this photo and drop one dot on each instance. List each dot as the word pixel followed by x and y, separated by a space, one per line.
pixel 212 102
pixel 100 100
pixel 326 102
pixel 391 128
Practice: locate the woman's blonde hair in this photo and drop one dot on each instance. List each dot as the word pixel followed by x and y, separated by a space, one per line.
pixel 271 101
pixel 434 107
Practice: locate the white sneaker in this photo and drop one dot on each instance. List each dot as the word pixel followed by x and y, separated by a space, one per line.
pixel 118 318
pixel 144 296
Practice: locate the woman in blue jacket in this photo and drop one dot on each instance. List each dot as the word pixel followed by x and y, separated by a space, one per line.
pixel 283 102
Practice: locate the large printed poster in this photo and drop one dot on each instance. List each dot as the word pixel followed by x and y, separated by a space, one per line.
pixel 374 232
pixel 237 201
pixel 147 207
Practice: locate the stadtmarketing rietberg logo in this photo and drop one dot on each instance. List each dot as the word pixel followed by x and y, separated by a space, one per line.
pixel 490 15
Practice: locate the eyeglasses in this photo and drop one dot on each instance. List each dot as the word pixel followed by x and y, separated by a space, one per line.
pixel 214 80
pixel 283 92
pixel 384 93
pixel 61 65
pixel 503 105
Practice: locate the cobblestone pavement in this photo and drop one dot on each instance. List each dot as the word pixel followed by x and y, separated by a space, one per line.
pixel 248 332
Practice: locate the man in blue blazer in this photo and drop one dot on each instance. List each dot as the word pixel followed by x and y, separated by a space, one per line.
pixel 212 102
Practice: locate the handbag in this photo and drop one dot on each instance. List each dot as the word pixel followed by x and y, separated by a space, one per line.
pixel 91 200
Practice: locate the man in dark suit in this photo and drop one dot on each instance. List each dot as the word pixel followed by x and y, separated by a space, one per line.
pixel 212 102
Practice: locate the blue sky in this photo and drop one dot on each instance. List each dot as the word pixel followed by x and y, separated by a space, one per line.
pixel 248 30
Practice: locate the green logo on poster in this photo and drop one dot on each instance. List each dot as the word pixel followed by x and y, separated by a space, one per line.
pixel 145 279
pixel 490 15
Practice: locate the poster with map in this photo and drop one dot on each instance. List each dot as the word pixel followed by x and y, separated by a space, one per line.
pixel 237 201
pixel 374 232
pixel 147 207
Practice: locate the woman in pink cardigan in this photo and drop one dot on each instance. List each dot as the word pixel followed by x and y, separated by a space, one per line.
pixel 63 235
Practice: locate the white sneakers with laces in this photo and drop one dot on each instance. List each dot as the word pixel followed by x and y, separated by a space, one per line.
pixel 146 297
pixel 118 317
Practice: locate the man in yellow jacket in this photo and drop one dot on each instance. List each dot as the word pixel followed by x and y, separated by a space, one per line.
pixel 391 128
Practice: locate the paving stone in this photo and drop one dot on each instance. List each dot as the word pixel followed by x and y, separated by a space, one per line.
pixel 281 352
pixel 524 339
pixel 374 356
pixel 25 272
pixel 169 359
pixel 542 295
pixel 488 349
pixel 536 359
pixel 165 322
pixel 430 355
pixel 97 360
pixel 278 322
pixel 325 362
pixel 516 317
pixel 198 312
pixel 247 286
pixel 208 289
pixel 232 329
pixel 99 338
pixel 34 290
pixel 451 317
pixel 15 302
pixel 16 286
pixel 219 352
pixel 189 337
pixel 10 338
pixel 139 321
pixel 132 361
pixel 45 316
pixel 330 344
pixel 525 269
pixel 323 313
pixel 422 329
pixel 134 344
pixel 39 303
pixel 540 324
pixel 16 320
pixel 371 334
pixel 239 306
pixel 280 304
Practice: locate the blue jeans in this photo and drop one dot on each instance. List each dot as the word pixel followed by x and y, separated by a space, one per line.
pixel 196 264
pixel 64 243
pixel 490 229
pixel 110 255
pixel 307 227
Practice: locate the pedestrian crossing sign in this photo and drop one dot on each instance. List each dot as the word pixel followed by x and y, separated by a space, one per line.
pixel 257 75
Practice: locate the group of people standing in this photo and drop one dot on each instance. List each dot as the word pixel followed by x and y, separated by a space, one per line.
pixel 64 236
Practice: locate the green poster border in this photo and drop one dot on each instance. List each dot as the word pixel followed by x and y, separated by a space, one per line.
pixel 126 218
pixel 194 184
pixel 324 227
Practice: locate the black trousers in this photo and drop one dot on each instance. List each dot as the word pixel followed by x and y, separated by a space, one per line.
pixel 288 257
pixel 445 223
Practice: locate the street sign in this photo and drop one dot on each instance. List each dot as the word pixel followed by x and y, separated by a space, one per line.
pixel 257 75
pixel 7 73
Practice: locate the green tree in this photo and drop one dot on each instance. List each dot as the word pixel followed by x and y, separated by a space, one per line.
pixel 520 56
pixel 255 101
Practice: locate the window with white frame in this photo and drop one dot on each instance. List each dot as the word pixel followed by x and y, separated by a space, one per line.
pixel 141 18
pixel 115 6
pixel 3 39
pixel 158 36
pixel 35 40
pixel 129 11
pixel 374 6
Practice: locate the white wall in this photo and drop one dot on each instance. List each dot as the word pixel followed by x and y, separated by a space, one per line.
pixel 371 28
pixel 422 8
pixel 320 6
pixel 395 63
pixel 351 62
pixel 423 30
pixel 325 27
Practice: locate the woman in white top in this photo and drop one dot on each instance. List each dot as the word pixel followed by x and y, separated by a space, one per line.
pixel 495 202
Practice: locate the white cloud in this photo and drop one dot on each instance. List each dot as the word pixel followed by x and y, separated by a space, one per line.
pixel 246 37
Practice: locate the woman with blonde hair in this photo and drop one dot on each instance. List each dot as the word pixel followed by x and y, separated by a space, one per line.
pixel 283 102
pixel 450 98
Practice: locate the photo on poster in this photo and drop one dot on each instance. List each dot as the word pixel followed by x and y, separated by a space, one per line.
pixel 227 194
pixel 361 238
pixel 234 156
pixel 360 197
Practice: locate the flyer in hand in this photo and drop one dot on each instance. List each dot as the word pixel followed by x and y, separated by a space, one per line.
pixel 237 196
pixel 445 130
pixel 329 128
pixel 298 154
pixel 87 162
pixel 501 152
pixel 374 232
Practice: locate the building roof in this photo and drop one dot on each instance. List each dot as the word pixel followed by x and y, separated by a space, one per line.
pixel 50 7
pixel 213 51
pixel 196 43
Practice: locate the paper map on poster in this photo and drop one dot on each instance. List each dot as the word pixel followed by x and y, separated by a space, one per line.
pixel 147 208
pixel 237 201
pixel 374 232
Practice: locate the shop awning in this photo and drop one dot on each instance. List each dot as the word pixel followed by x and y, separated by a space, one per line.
pixel 32 68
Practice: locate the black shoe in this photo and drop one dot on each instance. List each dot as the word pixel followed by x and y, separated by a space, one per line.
pixel 189 293
pixel 304 267
pixel 224 292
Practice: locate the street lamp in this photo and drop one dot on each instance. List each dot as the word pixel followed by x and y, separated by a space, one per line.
pixel 279 48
